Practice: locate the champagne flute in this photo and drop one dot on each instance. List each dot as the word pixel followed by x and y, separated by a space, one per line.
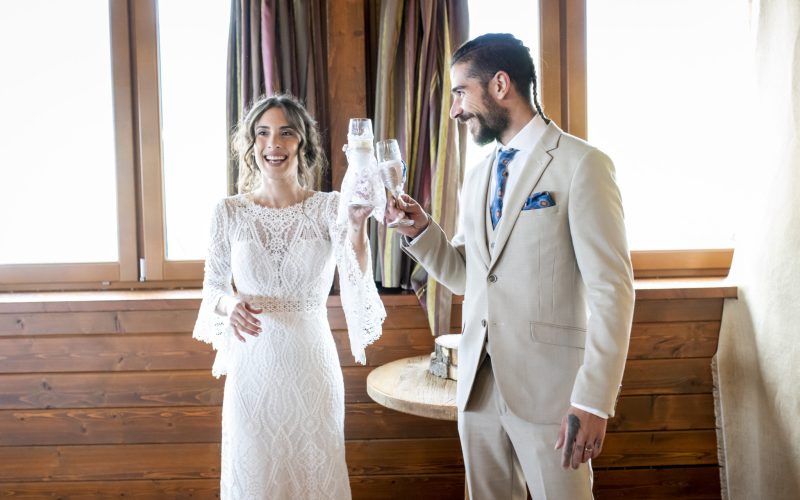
pixel 393 173
pixel 360 154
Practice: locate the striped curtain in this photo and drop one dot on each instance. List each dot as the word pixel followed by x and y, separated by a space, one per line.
pixel 276 46
pixel 415 39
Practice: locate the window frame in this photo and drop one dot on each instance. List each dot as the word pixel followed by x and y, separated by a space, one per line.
pixel 14 276
pixel 148 106
pixel 140 190
pixel 563 75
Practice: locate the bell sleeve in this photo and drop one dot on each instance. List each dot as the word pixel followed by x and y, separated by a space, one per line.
pixel 361 303
pixel 212 326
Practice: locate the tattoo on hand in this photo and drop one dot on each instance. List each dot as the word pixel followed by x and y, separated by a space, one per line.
pixel 573 426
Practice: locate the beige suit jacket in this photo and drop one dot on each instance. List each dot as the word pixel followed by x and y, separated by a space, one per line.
pixel 554 297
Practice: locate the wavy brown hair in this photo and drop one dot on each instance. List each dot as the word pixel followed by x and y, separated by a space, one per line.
pixel 311 159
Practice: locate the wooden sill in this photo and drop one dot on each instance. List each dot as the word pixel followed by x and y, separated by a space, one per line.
pixel 681 263
pixel 40 278
pixel 122 300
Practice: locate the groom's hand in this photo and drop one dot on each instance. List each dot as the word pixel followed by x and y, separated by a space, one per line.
pixel 581 437
pixel 412 210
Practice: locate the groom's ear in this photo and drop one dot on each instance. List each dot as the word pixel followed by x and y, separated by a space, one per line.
pixel 499 86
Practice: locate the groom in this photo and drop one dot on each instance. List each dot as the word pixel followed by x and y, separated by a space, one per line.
pixel 542 261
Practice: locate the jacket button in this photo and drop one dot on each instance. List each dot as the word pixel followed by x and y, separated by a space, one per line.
pixel 483 323
pixel 492 278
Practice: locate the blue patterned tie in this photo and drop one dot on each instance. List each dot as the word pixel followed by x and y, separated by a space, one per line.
pixel 505 156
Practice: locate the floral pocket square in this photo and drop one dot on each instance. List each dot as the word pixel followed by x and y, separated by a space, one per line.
pixel 539 200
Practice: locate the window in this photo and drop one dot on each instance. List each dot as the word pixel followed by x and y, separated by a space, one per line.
pixel 114 145
pixel 668 85
pixel 58 196
pixel 192 48
pixel 605 67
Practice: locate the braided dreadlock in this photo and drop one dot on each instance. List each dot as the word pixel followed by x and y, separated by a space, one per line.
pixel 493 52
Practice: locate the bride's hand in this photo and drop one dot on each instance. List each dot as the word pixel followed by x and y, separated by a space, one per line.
pixel 357 216
pixel 242 319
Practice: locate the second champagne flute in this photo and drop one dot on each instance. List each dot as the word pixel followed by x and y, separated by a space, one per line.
pixel 393 173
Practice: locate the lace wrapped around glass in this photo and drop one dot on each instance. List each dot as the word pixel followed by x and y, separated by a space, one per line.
pixel 362 184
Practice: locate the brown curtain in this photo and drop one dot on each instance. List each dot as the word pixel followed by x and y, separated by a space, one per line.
pixel 276 46
pixel 414 41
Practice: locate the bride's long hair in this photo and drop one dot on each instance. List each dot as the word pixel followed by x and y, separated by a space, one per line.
pixel 311 159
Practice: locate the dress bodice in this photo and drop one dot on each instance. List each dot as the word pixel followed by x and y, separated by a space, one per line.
pixel 283 260
pixel 283 255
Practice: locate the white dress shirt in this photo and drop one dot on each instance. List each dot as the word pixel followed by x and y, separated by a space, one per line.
pixel 524 142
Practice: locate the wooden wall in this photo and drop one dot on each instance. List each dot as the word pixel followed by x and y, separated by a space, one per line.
pixel 106 394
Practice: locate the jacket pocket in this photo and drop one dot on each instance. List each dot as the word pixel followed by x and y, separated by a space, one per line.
pixel 540 212
pixel 567 336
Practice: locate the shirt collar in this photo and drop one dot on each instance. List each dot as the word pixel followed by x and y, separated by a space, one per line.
pixel 527 137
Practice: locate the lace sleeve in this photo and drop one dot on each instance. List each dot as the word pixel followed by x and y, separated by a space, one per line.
pixel 211 325
pixel 362 306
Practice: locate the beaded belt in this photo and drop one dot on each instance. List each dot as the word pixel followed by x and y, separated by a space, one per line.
pixel 274 304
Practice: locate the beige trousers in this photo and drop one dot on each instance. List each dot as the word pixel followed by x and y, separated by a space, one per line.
pixel 502 452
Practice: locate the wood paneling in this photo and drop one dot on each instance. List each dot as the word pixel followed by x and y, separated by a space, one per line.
pixel 109 462
pixel 174 489
pixel 663 413
pixel 105 353
pixel 102 322
pixel 404 456
pixel 663 311
pixel 186 424
pixel 686 483
pixel 106 390
pixel 667 376
pixel 389 487
pixel 171 424
pixel 688 339
pixel 648 449
pixel 102 397
pixel 373 421
pixel 393 344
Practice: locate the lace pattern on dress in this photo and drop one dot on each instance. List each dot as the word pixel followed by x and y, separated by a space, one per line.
pixel 280 259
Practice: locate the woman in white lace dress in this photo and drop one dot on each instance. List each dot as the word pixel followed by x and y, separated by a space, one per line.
pixel 278 243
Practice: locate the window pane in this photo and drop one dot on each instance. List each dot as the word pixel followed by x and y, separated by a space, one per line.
pixel 523 24
pixel 668 91
pixel 193 41
pixel 57 160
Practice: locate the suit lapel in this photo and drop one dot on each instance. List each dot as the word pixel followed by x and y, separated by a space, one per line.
pixel 481 191
pixel 531 173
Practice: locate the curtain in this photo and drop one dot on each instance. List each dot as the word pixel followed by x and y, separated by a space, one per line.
pixel 415 39
pixel 759 350
pixel 276 46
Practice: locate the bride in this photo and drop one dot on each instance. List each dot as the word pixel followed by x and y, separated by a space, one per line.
pixel 278 243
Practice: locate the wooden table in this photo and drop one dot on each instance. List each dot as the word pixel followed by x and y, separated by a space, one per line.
pixel 406 385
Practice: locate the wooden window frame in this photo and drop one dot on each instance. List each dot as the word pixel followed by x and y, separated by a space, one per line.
pixel 157 267
pixel 140 190
pixel 15 276
pixel 563 76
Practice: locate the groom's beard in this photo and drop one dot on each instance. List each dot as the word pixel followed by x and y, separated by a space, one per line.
pixel 491 123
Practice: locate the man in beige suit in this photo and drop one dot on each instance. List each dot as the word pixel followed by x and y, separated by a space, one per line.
pixel 542 261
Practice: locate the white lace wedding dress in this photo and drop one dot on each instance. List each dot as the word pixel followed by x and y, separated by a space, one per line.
pixel 283 405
